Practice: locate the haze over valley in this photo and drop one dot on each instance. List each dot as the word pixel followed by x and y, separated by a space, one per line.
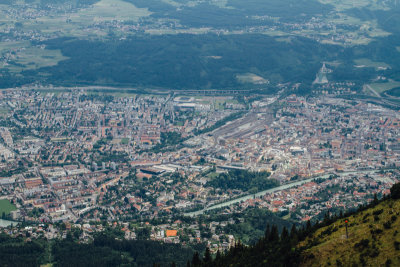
pixel 199 132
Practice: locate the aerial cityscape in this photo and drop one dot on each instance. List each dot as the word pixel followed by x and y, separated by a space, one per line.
pixel 199 133
pixel 80 158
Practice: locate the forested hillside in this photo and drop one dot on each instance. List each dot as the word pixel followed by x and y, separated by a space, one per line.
pixel 107 249
pixel 372 239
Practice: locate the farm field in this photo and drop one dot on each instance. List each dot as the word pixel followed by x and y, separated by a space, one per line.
pixel 251 78
pixel 76 23
pixel 110 10
pixel 382 87
pixel 34 58
pixel 341 5
pixel 88 42
pixel 12 46
pixel 365 62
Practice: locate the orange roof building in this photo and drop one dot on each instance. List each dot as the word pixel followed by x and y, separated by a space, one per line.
pixel 171 233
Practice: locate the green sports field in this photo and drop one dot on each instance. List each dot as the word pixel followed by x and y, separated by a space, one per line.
pixel 6 206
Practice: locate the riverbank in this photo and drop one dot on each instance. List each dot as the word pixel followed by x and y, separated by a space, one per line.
pixel 272 190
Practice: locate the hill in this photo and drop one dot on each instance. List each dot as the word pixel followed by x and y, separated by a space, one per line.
pixel 208 44
pixel 107 249
pixel 372 240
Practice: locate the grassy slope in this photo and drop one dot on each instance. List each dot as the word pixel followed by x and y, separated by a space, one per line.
pixel 333 249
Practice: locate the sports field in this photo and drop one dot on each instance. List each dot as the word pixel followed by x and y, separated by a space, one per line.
pixel 6 206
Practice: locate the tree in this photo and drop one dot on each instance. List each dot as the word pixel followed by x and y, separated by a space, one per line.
pixel 395 191
pixel 375 201
pixel 267 231
pixel 63 227
pixel 284 235
pixel 218 256
pixel 294 238
pixel 308 225
pixel 196 261
pixel 274 235
pixel 143 233
pixel 207 257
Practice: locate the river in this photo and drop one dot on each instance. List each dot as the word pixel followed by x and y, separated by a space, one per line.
pixel 272 190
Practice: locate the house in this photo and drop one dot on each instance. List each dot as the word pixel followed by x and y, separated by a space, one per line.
pixel 171 233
